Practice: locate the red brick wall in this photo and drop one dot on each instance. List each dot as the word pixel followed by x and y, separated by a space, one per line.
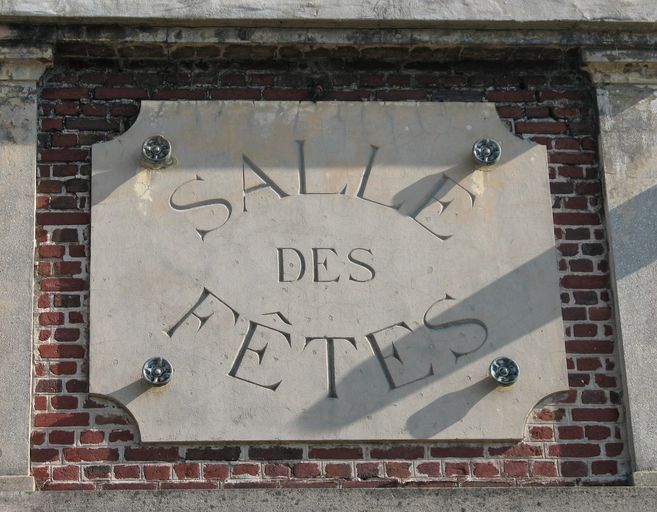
pixel 83 442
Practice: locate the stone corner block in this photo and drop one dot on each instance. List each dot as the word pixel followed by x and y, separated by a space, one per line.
pixel 16 483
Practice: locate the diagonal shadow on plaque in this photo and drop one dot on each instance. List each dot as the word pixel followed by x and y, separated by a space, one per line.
pixel 364 390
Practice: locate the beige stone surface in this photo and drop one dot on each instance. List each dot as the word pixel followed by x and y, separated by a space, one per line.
pixel 379 11
pixel 19 70
pixel 323 271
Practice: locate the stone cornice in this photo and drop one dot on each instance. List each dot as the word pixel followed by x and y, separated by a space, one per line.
pixel 24 63
pixel 633 67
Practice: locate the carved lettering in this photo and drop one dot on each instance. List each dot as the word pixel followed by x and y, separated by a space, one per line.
pixel 206 295
pixel 203 204
pixel 330 361
pixel 324 260
pixel 254 329
pixel 383 360
pixel 267 182
pixel 282 270
pixel 320 259
pixel 360 263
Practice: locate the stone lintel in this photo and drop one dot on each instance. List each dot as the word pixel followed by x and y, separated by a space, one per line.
pixel 632 67
pixel 379 12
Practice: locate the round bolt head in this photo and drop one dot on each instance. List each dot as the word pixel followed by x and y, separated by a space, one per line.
pixel 156 151
pixel 504 371
pixel 487 151
pixel 157 371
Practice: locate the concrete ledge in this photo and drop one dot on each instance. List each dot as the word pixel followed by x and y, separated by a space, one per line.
pixel 561 499
pixel 16 483
pixel 644 478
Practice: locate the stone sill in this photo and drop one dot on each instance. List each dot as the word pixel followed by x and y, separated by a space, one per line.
pixel 556 499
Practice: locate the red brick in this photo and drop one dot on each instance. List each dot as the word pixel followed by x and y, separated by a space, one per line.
pixel 604 467
pixel 215 471
pixel 540 127
pixel 44 455
pixel 48 386
pixel 51 251
pixel 457 469
pixel 428 469
pixel 246 469
pixel 589 347
pixel 67 334
pixel 225 453
pixel 123 471
pixel 37 438
pixel 98 472
pixel 398 469
pixel 510 96
pixel 65 437
pixel 580 450
pixel 152 454
pixel 55 350
pixel 277 471
pixel 398 452
pixel 62 419
pixel 516 469
pixel 541 433
pixel 188 485
pixel 518 450
pixel 235 94
pixel 274 453
pixel 68 368
pixel 91 454
pixel 597 432
pixel 68 486
pixel 285 94
pixel 485 470
pixel 109 93
pixel 51 318
pixel 63 284
pixel 614 449
pixel 179 94
pixel 595 414
pixel 63 155
pixel 337 470
pixel 128 486
pixel 573 468
pixel 64 402
pixel 92 437
pixel 121 436
pixel 58 218
pixel 571 432
pixel 64 93
pixel 401 95
pixel 367 470
pixel 544 469
pixel 461 452
pixel 338 453
pixel 187 471
pixel 66 473
pixel 157 472
pixel 306 470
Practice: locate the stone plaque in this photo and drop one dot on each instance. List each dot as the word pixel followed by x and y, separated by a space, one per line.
pixel 329 271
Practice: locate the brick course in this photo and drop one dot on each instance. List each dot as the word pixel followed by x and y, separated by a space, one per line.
pixel 81 442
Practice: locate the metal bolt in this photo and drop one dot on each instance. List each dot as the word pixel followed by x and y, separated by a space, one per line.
pixel 156 151
pixel 157 371
pixel 504 371
pixel 487 151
